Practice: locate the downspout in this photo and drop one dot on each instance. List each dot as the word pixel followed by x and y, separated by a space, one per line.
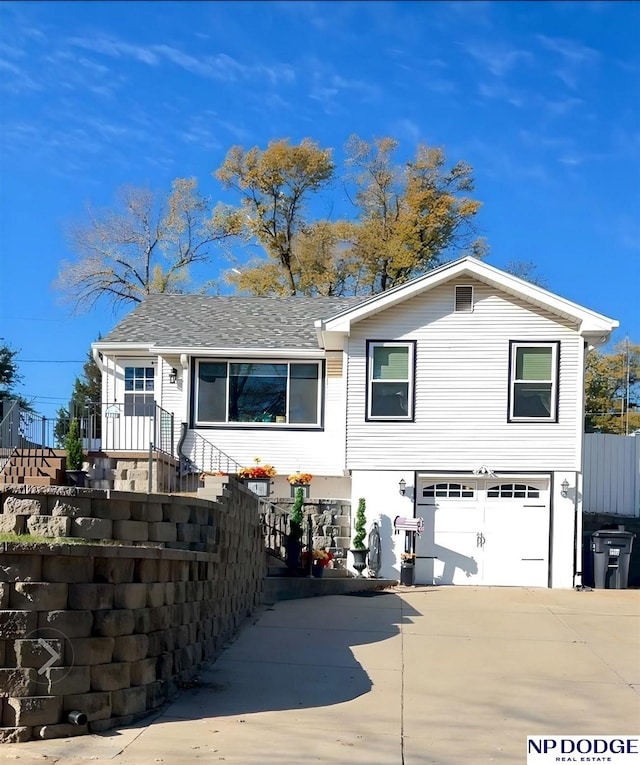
pixel 578 552
pixel 183 434
pixel 184 423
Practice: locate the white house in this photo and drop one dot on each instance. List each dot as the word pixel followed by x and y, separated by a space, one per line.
pixel 466 384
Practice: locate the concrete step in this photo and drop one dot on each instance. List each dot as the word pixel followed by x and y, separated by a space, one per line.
pixel 290 588
pixel 54 472
pixel 43 461
pixel 31 480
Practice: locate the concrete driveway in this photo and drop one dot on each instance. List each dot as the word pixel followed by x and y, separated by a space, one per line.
pixel 446 675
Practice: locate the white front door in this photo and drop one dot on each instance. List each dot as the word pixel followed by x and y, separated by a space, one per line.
pixel 129 422
pixel 483 531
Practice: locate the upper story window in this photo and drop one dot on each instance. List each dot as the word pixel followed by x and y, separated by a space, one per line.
pixel 533 385
pixel 390 380
pixel 284 393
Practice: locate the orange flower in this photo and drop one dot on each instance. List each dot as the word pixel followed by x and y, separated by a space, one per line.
pixel 300 478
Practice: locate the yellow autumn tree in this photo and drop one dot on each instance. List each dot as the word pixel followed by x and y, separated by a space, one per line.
pixel 612 391
pixel 405 217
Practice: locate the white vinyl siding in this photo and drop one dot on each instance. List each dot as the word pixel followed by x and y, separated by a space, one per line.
pixel 171 393
pixel 462 384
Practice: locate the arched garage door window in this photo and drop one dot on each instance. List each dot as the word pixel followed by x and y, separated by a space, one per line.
pixel 513 491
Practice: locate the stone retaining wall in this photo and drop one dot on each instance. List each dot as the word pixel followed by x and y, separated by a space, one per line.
pixel 113 630
pixel 330 523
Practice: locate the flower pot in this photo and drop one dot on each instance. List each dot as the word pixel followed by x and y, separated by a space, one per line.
pixel 317 570
pixel 76 478
pixel 407 573
pixel 360 560
pixel 294 551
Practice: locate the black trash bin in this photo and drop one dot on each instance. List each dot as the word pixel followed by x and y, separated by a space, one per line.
pixel 611 548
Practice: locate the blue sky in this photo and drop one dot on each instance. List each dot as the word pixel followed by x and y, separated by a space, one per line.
pixel 542 98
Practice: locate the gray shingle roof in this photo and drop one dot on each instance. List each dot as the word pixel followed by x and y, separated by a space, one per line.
pixel 227 321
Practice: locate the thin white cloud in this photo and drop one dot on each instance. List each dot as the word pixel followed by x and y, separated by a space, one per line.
pixel 15 78
pixel 116 49
pixel 498 59
pixel 219 67
pixel 327 88
pixel 570 50
pixel 574 58
pixel 498 91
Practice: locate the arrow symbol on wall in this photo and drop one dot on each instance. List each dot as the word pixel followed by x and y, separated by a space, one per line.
pixel 54 656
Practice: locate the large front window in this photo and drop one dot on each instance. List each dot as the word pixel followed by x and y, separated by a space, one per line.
pixel 533 390
pixel 390 380
pixel 286 393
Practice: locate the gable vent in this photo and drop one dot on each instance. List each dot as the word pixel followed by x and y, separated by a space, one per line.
pixel 464 299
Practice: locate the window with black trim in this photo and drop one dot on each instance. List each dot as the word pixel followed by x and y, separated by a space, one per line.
pixel 237 392
pixel 533 384
pixel 390 381
pixel 139 398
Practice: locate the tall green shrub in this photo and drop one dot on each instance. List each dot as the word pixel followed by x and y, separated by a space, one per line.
pixel 360 526
pixel 73 445
pixel 296 515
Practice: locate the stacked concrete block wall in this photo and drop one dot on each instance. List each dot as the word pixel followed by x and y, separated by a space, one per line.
pixel 130 472
pixel 113 630
pixel 330 523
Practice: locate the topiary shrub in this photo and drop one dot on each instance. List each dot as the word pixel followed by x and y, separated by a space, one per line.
pixel 360 526
pixel 295 521
pixel 73 445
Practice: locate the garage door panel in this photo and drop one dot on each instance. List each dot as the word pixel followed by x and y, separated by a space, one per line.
pixel 451 517
pixel 454 559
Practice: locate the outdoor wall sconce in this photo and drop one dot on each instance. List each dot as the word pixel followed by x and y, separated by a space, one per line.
pixel 402 486
pixel 173 375
pixel 564 487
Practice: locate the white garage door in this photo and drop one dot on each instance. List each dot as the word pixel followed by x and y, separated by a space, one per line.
pixel 483 531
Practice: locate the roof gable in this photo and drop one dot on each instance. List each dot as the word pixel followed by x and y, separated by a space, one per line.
pixel 184 323
pixel 592 325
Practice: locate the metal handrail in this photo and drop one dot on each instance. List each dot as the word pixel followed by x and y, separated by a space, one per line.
pixel 276 527
pixel 204 457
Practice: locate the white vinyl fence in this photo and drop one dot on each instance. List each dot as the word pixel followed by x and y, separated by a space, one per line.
pixel 611 472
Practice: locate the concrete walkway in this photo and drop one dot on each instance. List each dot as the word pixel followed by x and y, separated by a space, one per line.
pixel 446 675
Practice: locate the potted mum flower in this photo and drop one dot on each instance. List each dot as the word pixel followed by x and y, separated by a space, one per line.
pixel 300 480
pixel 258 477
pixel 320 560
